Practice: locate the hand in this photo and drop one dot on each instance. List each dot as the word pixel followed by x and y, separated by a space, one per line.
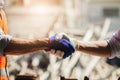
pixel 61 45
pixel 73 41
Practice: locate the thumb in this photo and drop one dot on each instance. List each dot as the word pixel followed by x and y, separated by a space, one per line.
pixel 62 36
pixel 67 37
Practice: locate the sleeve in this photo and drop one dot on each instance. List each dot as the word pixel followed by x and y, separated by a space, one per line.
pixel 4 40
pixel 114 43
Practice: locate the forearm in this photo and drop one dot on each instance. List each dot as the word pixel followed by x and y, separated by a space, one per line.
pixel 97 48
pixel 23 46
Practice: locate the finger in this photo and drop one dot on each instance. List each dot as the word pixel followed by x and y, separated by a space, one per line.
pixel 60 36
pixel 62 54
pixel 59 53
pixel 52 51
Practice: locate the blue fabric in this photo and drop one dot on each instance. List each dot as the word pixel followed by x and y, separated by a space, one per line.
pixel 63 45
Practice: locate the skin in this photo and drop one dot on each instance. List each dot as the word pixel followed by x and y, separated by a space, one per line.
pixel 22 46
pixel 97 48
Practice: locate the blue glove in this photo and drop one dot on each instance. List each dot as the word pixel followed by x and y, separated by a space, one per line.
pixel 62 45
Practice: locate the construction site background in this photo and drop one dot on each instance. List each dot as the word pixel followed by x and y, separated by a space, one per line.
pixel 86 20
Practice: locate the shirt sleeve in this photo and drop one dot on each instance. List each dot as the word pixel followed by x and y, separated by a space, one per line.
pixel 4 40
pixel 114 43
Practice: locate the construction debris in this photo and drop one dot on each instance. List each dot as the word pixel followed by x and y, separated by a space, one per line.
pixel 79 66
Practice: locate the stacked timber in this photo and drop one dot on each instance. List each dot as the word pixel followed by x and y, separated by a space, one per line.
pixel 76 67
pixel 79 65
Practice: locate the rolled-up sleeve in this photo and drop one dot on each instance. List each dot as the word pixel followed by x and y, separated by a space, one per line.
pixel 4 41
pixel 114 43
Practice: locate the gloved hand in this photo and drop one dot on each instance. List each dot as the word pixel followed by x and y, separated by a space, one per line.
pixel 73 41
pixel 61 45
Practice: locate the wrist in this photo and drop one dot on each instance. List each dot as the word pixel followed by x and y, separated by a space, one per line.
pixel 47 41
pixel 76 44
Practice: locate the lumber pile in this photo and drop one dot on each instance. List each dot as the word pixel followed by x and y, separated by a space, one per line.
pixel 80 66
pixel 76 67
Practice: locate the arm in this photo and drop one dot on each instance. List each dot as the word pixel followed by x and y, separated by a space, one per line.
pixel 23 46
pixel 98 48
pixel 110 48
pixel 16 46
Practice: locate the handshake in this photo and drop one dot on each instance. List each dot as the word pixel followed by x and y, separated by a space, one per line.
pixel 62 45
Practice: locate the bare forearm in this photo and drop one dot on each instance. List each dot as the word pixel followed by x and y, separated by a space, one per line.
pixel 98 48
pixel 22 46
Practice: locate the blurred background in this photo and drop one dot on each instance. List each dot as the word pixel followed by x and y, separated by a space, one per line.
pixel 86 20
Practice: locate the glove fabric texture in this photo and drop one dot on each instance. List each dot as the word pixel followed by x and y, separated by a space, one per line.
pixel 62 45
